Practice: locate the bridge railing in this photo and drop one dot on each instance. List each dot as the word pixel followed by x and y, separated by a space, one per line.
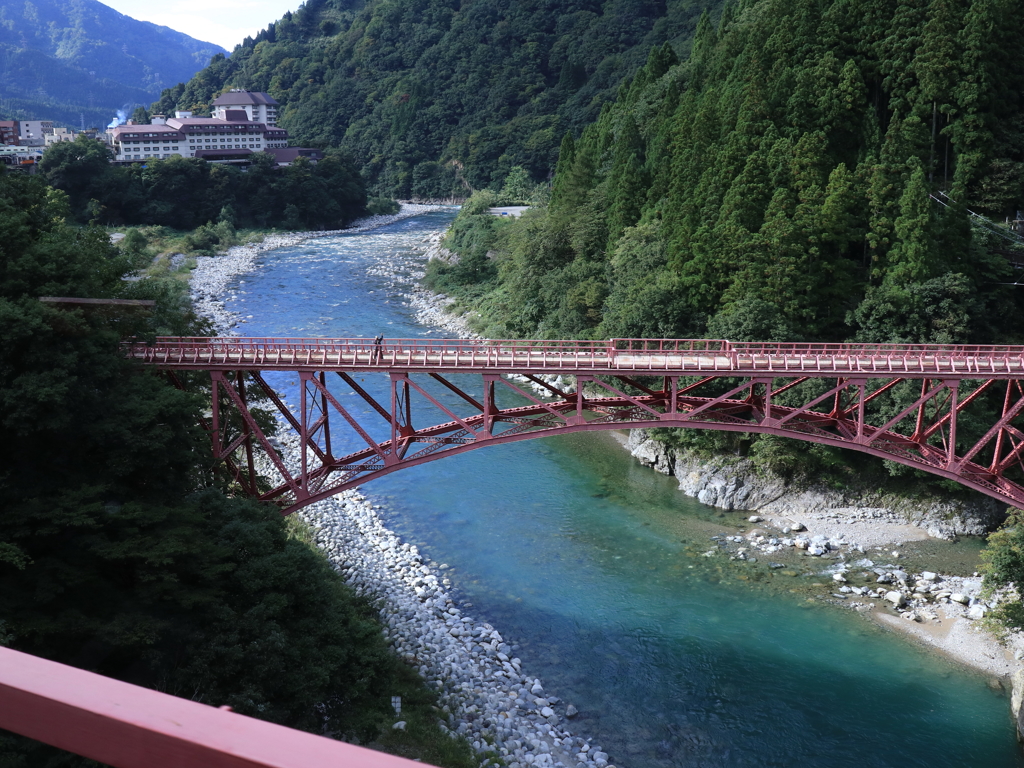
pixel 771 348
pixel 665 346
pixel 126 726
pixel 566 355
pixel 453 352
pixel 887 350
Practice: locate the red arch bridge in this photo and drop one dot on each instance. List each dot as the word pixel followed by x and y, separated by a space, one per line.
pixel 407 402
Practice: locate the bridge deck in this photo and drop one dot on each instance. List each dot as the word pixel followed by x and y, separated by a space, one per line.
pixel 732 386
pixel 618 355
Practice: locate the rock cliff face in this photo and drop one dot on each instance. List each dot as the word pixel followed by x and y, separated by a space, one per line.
pixel 1017 679
pixel 735 483
pixel 436 251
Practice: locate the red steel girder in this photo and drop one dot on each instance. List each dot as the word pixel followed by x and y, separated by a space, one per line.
pixel 746 385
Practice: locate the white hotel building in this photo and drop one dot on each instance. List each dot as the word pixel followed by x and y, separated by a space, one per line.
pixel 231 135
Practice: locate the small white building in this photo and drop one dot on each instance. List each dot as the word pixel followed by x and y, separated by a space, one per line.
pixel 58 135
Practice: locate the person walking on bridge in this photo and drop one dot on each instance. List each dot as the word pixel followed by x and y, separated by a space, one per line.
pixel 378 347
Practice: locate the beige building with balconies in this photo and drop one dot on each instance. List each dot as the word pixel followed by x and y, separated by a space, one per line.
pixel 258 106
pixel 228 139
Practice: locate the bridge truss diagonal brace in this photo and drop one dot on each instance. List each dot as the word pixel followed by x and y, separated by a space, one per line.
pixel 627 398
pixel 365 395
pixel 841 386
pixel 1000 428
pixel 287 414
pixel 749 384
pixel 478 433
pixel 539 403
pixel 924 398
pixel 549 387
pixel 961 405
pixel 220 380
pixel 1014 455
pixel 321 387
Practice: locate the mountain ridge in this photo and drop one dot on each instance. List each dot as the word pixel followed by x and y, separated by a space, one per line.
pixel 80 58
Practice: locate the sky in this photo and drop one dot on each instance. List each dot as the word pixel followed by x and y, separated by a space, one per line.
pixel 224 22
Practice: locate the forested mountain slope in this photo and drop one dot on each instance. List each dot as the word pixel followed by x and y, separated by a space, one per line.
pixel 62 59
pixel 432 95
pixel 805 175
pixel 122 550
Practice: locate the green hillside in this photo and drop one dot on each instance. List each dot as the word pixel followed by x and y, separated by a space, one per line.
pixel 814 171
pixel 436 96
pixel 75 60
pixel 776 185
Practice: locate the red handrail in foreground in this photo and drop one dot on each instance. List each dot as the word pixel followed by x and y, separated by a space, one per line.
pixel 126 726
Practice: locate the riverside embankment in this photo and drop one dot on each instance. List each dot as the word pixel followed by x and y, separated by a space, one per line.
pixel 592 569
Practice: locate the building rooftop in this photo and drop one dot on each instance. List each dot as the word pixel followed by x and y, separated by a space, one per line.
pixel 286 155
pixel 244 97
pixel 142 130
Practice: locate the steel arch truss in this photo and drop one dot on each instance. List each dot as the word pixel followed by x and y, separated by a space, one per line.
pixel 843 412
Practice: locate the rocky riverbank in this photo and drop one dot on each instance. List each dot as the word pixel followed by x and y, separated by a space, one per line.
pixel 855 538
pixel 868 516
pixel 486 696
pixel 210 278
pixel 435 308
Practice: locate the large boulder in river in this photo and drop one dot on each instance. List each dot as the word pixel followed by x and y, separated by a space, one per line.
pixel 896 598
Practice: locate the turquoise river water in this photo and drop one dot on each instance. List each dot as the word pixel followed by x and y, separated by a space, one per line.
pixel 591 565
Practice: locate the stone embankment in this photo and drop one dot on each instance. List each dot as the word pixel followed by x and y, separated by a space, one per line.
pixel 862 514
pixel 485 694
pixel 435 308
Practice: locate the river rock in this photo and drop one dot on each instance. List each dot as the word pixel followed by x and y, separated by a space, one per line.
pixel 650 453
pixel 977 611
pixel 896 598
pixel 571 711
pixel 958 597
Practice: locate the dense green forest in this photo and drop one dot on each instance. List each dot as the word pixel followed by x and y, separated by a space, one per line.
pixel 186 192
pixel 435 97
pixel 808 173
pixel 81 60
pixel 817 171
pixel 120 550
